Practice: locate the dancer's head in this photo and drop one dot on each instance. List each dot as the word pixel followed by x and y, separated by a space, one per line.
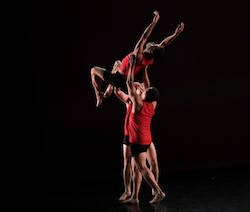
pixel 153 50
pixel 151 94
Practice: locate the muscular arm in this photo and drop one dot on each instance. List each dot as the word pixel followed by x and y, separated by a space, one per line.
pixel 146 34
pixel 130 77
pixel 145 79
pixel 136 100
pixel 121 95
pixel 172 37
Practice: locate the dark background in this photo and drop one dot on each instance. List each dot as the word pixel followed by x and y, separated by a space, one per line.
pixel 203 116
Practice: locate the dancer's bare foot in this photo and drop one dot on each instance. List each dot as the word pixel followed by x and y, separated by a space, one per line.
pixel 124 196
pixel 99 99
pixel 158 197
pixel 131 200
pixel 108 91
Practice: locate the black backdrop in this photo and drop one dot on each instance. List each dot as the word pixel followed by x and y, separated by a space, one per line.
pixel 203 116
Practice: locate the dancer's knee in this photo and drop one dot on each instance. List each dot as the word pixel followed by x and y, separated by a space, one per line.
pixel 127 163
pixel 154 165
pixel 118 63
pixel 141 167
pixel 93 70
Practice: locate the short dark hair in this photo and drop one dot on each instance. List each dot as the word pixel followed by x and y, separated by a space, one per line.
pixel 147 55
pixel 156 52
pixel 152 94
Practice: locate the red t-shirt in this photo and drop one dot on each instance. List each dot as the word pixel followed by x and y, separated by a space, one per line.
pixel 139 125
pixel 126 122
pixel 125 65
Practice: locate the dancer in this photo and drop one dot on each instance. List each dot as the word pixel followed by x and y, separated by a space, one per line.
pixel 145 58
pixel 129 169
pixel 119 78
pixel 142 110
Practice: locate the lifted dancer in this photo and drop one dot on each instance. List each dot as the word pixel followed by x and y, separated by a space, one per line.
pixel 145 57
pixel 119 78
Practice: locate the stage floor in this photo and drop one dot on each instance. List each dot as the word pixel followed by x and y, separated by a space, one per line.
pixel 210 190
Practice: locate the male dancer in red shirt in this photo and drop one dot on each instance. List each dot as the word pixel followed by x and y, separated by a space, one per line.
pixel 145 58
pixel 142 110
pixel 129 169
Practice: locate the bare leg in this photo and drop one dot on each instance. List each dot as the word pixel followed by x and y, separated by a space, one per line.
pixel 140 161
pixel 97 78
pixel 137 178
pixel 153 162
pixel 137 183
pixel 110 87
pixel 127 172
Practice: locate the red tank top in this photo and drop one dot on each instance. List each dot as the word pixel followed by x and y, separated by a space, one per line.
pixel 140 125
pixel 125 65
pixel 128 111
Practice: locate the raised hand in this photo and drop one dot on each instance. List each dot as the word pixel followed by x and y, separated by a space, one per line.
pixel 179 28
pixel 156 17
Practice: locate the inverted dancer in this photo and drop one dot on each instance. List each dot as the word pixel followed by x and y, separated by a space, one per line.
pixel 142 110
pixel 145 57
pixel 129 170
pixel 118 79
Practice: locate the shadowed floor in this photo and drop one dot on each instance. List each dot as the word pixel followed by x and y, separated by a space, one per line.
pixel 210 190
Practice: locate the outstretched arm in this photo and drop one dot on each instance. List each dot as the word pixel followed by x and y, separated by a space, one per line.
pixel 146 33
pixel 145 79
pixel 172 37
pixel 130 77
pixel 136 100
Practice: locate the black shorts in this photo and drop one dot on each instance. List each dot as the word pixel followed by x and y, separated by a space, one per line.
pixel 136 149
pixel 126 140
pixel 116 79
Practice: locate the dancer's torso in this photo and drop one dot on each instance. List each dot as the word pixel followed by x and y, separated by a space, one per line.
pixel 124 68
pixel 140 125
